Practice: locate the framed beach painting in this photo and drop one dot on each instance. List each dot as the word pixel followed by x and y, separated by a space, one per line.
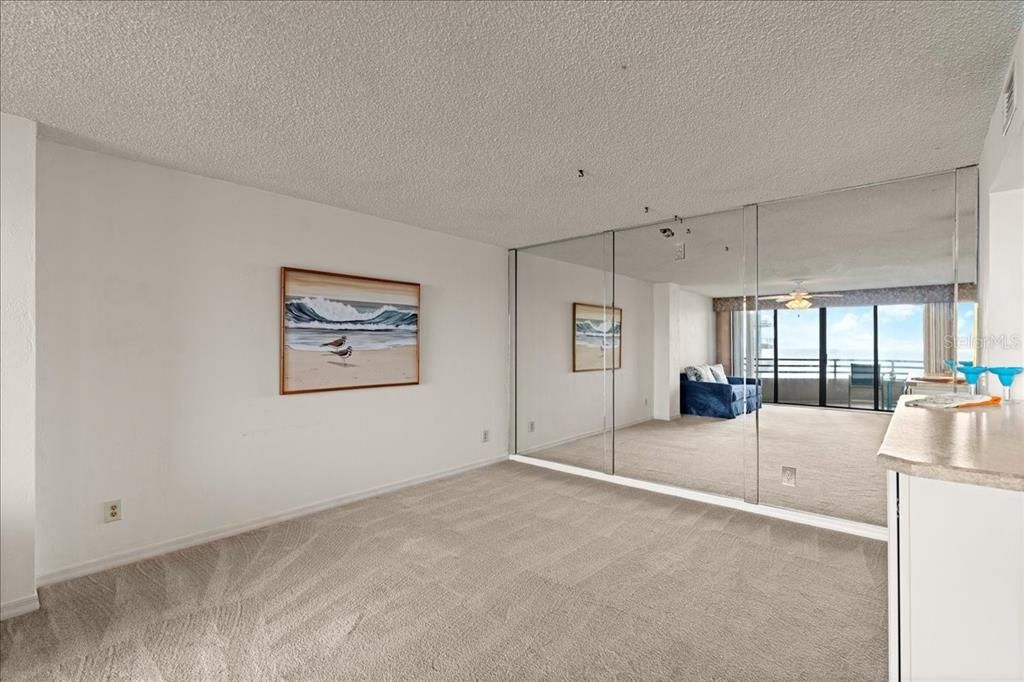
pixel 597 337
pixel 344 331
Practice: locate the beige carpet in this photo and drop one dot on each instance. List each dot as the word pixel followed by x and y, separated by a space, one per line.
pixel 509 572
pixel 834 452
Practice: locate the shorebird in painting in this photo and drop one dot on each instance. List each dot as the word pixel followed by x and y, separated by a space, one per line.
pixel 344 353
pixel 337 343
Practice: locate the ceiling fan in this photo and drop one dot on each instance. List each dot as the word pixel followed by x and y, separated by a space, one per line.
pixel 799 298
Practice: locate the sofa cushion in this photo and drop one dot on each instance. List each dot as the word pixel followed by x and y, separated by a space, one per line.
pixel 741 391
pixel 718 372
pixel 700 373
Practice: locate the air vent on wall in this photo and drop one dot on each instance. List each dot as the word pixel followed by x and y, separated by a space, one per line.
pixel 1009 102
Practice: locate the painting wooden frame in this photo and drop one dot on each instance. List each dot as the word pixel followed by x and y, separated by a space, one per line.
pixel 583 354
pixel 370 317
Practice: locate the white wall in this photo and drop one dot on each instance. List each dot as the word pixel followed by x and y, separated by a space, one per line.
pixel 696 329
pixel 684 324
pixel 158 298
pixel 633 390
pixel 1001 238
pixel 564 404
pixel 17 364
pixel 666 352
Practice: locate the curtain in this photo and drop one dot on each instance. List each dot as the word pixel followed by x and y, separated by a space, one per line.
pixel 939 336
pixel 723 340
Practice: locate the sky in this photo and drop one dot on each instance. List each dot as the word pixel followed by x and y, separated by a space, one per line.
pixel 350 288
pixel 850 332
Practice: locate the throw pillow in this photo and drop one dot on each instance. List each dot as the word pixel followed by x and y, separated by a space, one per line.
pixel 694 373
pixel 718 371
pixel 700 373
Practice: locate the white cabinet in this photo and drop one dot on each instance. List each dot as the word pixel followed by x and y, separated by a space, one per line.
pixel 956 581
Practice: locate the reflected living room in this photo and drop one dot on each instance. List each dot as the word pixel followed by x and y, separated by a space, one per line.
pixel 764 347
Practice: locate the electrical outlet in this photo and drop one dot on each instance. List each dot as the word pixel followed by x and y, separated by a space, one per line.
pixel 789 476
pixel 486 436
pixel 532 426
pixel 112 511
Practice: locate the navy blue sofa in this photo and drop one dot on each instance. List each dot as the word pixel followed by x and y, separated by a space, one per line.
pixel 726 401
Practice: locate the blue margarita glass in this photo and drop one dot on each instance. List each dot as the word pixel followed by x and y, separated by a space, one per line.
pixel 972 374
pixel 1006 376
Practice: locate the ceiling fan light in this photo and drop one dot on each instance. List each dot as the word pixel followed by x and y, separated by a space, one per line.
pixel 798 304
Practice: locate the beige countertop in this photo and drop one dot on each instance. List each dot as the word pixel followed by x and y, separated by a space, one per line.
pixel 981 445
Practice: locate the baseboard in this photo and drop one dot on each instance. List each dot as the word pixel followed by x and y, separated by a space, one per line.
pixel 865 530
pixel 563 441
pixel 18 607
pixel 150 551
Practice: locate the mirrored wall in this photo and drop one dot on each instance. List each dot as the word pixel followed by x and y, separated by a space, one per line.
pixel 754 354
pixel 696 434
pixel 859 306
pixel 568 351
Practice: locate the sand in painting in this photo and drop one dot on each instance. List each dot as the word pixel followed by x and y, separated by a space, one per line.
pixel 307 370
pixel 589 357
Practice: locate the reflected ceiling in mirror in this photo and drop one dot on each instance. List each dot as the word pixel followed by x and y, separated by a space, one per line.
pixel 896 234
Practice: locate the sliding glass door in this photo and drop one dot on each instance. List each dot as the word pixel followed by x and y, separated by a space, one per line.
pixel 850 374
pixel 868 354
pixel 900 349
pixel 798 348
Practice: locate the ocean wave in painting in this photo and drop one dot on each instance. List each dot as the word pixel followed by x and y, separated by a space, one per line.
pixel 313 322
pixel 324 313
pixel 597 328
pixel 598 333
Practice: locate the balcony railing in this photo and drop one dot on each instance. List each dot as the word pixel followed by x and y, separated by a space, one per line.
pixel 836 368
pixel 799 381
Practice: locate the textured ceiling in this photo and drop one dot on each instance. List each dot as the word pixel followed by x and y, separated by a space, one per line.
pixel 473 118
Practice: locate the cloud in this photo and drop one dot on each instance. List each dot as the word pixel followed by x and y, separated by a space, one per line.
pixel 850 322
pixel 899 312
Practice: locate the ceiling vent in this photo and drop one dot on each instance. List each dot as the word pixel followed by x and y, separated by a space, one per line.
pixel 1009 101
